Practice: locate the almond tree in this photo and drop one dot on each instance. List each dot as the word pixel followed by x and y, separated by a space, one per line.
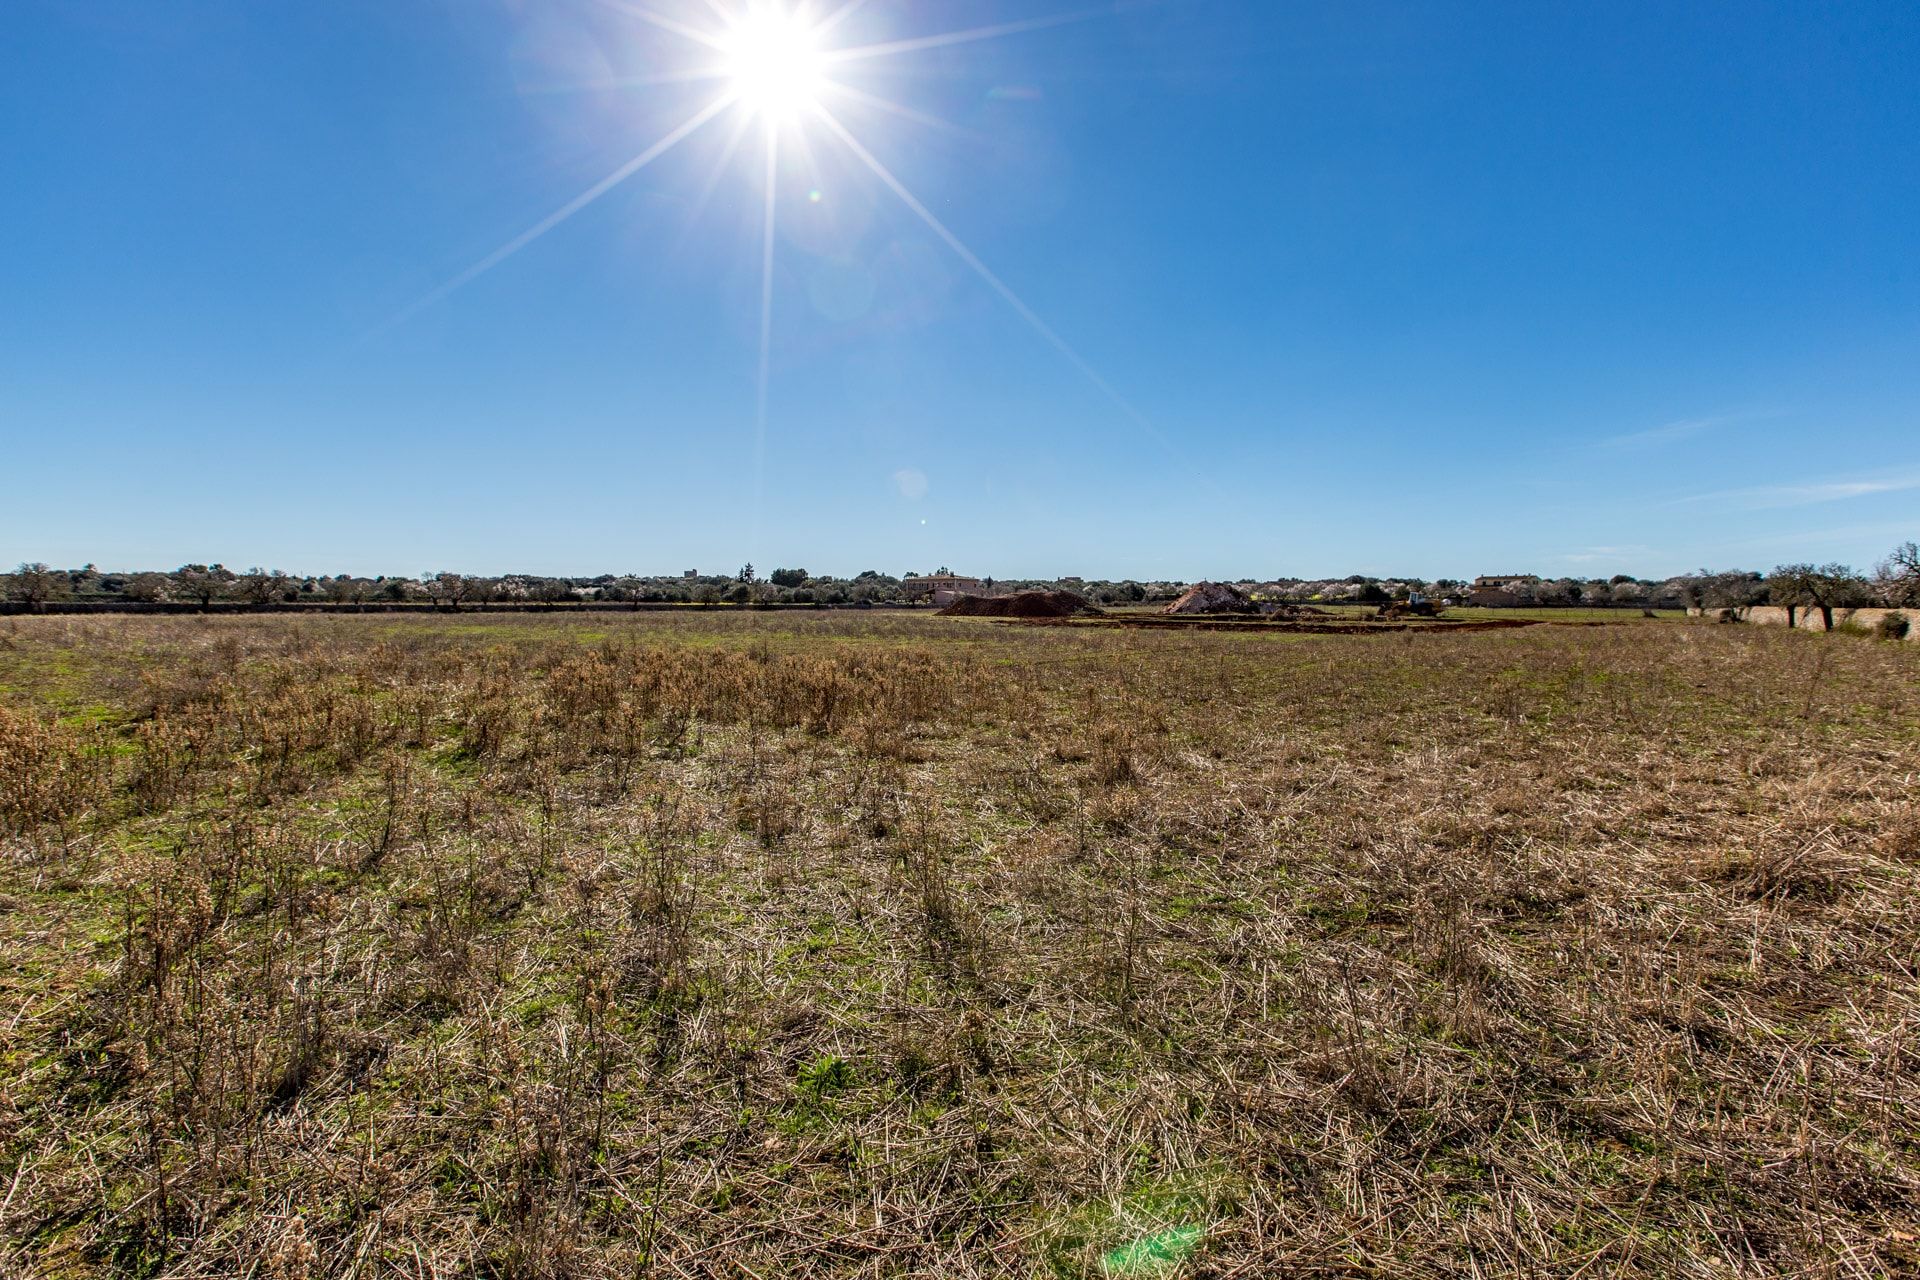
pixel 258 586
pixel 147 588
pixel 347 589
pixel 1826 588
pixel 1897 579
pixel 445 588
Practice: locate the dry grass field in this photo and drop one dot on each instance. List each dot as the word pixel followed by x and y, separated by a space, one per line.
pixel 865 945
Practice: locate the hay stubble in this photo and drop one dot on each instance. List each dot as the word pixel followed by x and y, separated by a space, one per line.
pixel 887 946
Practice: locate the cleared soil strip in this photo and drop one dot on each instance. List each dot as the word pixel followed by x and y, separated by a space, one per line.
pixel 1204 623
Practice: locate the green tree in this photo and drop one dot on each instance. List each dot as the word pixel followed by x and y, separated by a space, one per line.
pixel 202 583
pixel 788 577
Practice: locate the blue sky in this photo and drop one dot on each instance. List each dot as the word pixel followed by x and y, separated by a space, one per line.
pixel 1397 288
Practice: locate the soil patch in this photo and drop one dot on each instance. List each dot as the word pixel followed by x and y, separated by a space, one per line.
pixel 1214 622
pixel 1213 597
pixel 1021 604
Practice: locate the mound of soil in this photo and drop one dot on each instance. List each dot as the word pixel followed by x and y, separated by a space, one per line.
pixel 1021 604
pixel 1213 597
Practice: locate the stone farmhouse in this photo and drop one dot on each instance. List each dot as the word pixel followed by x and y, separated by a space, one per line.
pixel 941 588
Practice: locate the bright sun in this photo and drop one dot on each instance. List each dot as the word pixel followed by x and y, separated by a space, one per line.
pixel 787 64
pixel 774 63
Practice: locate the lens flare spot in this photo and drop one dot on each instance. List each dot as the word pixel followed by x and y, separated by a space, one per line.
pixel 1153 1254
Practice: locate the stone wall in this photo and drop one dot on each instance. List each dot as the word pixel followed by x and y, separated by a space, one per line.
pixel 1773 615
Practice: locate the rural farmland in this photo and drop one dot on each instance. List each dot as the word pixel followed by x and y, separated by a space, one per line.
pixel 862 944
pixel 982 640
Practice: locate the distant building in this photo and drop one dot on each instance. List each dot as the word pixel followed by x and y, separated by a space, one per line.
pixel 689 573
pixel 1503 590
pixel 941 588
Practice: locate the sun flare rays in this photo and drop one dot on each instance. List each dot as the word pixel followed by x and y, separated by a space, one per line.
pixel 777 65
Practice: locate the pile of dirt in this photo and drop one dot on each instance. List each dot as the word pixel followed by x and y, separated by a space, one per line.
pixel 1213 597
pixel 1021 604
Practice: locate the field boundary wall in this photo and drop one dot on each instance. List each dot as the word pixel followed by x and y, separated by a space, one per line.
pixel 1802 619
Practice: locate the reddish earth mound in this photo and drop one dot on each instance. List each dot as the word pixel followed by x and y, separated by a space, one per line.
pixel 1021 604
pixel 1213 597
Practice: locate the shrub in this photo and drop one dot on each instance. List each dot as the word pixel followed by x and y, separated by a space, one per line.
pixel 1893 626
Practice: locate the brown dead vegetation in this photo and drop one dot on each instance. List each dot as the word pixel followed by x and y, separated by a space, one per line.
pixel 878 946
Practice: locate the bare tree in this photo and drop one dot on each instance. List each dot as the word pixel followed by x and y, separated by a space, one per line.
pixel 257 586
pixel 445 588
pixel 1826 587
pixel 1897 579
pixel 1728 589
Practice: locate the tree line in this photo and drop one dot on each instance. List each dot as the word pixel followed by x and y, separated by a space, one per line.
pixel 1894 582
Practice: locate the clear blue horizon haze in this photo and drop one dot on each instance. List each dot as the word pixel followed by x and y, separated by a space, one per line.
pixel 1201 288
